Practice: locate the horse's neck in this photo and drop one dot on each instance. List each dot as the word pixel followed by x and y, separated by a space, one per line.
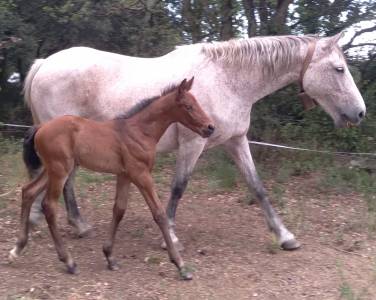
pixel 152 121
pixel 250 84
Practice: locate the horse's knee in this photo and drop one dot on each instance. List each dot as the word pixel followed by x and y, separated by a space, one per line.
pixel 107 249
pixel 27 194
pixel 178 188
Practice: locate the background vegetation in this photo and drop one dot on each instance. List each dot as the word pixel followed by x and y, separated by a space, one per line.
pixel 31 29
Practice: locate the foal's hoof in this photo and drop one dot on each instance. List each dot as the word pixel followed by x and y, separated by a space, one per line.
pixel 179 246
pixel 289 245
pixel 185 274
pixel 72 269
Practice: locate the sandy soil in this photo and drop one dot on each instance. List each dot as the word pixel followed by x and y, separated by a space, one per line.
pixel 227 244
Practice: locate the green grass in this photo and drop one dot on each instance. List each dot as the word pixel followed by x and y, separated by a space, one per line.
pixel 220 171
pixel 12 170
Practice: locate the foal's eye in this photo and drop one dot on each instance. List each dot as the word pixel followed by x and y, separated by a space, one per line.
pixel 340 69
pixel 189 107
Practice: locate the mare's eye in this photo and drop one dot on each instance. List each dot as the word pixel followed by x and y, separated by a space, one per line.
pixel 340 69
pixel 189 107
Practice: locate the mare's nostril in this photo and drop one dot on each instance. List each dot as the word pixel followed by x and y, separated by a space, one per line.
pixel 211 127
pixel 361 115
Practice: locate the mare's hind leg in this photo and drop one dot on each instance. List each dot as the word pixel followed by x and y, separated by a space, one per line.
pixel 29 192
pixel 185 162
pixel 238 148
pixel 120 206
pixel 145 184
pixel 49 205
pixel 74 217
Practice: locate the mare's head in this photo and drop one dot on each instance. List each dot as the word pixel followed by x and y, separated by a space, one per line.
pixel 328 80
pixel 189 112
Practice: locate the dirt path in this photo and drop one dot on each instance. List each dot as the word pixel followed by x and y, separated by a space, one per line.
pixel 227 244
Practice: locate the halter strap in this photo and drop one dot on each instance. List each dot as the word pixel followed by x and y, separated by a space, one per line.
pixel 307 101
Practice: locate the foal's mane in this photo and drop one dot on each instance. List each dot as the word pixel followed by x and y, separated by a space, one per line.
pixel 271 53
pixel 146 102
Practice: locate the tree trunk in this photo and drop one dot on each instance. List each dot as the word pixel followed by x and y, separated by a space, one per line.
pixel 249 8
pixel 263 12
pixel 227 31
pixel 278 22
pixel 193 20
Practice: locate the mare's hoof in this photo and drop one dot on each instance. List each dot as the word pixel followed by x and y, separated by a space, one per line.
pixel 83 229
pixel 179 246
pixel 113 266
pixel 72 269
pixel 12 255
pixel 185 274
pixel 35 217
pixel 289 245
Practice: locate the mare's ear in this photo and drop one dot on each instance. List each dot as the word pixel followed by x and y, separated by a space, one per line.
pixel 333 41
pixel 189 84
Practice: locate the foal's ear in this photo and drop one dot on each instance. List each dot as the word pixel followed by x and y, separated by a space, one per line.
pixel 182 86
pixel 181 89
pixel 189 84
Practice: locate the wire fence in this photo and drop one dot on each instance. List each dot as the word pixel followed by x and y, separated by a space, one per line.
pixel 359 154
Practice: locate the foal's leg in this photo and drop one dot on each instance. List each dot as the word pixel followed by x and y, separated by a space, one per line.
pixel 36 209
pixel 74 217
pixel 29 193
pixel 121 200
pixel 49 205
pixel 145 184
pixel 238 148
pixel 185 162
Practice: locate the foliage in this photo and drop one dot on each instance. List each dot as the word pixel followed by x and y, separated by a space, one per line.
pixel 31 29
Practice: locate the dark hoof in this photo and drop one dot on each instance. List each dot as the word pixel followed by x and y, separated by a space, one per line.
pixel 72 269
pixel 179 246
pixel 113 266
pixel 291 245
pixel 185 274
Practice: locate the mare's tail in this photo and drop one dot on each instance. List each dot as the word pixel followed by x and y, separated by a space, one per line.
pixel 30 156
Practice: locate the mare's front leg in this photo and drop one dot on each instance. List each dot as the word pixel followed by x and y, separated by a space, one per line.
pixel 120 206
pixel 187 157
pixel 73 213
pixel 239 150
pixel 145 184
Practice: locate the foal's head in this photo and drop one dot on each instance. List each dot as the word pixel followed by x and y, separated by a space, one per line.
pixel 189 112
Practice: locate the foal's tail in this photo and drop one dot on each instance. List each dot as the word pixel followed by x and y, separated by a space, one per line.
pixel 30 156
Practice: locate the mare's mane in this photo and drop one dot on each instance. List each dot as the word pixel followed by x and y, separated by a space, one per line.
pixel 141 105
pixel 271 53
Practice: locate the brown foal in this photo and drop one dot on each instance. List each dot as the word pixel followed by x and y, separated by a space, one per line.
pixel 125 146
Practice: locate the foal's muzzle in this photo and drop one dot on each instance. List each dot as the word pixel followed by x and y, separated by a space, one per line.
pixel 208 131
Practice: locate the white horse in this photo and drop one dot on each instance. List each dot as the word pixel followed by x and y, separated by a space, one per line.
pixel 230 77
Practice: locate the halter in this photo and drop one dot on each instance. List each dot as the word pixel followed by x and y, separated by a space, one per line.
pixel 307 101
